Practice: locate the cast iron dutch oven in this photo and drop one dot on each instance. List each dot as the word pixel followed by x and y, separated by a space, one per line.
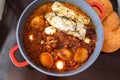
pixel 20 28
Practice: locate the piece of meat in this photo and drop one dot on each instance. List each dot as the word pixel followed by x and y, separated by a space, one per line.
pixel 59 22
pixel 62 10
pixel 68 26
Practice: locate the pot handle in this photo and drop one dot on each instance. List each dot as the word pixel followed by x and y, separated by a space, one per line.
pixel 101 9
pixel 14 60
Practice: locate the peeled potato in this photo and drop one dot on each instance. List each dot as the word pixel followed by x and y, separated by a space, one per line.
pixel 65 54
pixel 46 59
pixel 81 55
pixel 38 21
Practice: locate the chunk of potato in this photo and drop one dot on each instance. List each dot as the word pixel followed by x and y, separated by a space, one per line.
pixel 38 21
pixel 81 55
pixel 65 54
pixel 46 59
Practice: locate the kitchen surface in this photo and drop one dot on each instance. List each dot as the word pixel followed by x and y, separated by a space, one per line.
pixel 106 67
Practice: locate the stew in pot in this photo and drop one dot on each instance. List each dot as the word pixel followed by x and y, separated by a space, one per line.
pixel 59 37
